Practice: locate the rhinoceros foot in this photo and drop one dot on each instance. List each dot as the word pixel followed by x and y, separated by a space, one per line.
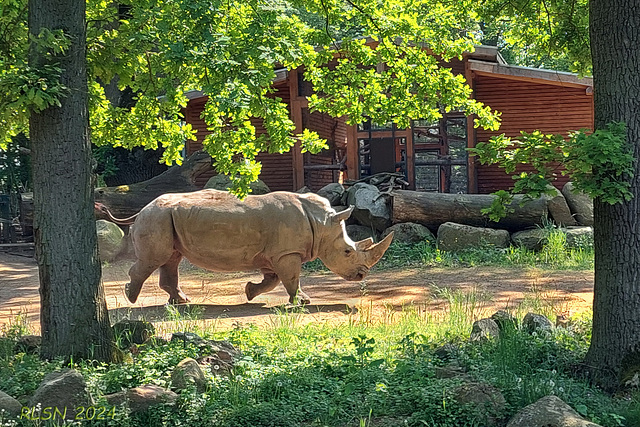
pixel 181 298
pixel 132 292
pixel 300 299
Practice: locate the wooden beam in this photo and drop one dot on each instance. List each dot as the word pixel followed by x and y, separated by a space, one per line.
pixel 472 172
pixel 353 158
pixel 410 153
pixel 530 75
pixel 297 160
pixel 398 133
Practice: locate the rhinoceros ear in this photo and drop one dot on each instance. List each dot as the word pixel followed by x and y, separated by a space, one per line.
pixel 342 216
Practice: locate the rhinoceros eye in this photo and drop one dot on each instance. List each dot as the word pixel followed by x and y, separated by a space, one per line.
pixel 348 251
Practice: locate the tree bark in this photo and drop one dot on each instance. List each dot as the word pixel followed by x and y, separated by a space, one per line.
pixel 615 49
pixel 433 209
pixel 126 200
pixel 74 318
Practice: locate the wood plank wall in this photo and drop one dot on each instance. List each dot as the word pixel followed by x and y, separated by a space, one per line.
pixel 335 132
pixel 277 169
pixel 528 106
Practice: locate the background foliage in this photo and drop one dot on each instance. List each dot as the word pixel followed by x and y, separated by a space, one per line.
pixel 230 51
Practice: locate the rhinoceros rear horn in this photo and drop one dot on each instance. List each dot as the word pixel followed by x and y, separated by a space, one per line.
pixel 342 216
pixel 365 244
pixel 375 252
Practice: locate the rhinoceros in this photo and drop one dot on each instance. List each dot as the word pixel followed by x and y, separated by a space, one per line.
pixel 274 233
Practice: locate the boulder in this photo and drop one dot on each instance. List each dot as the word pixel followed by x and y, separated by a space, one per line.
pixel 487 402
pixel 10 406
pixel 410 232
pixel 63 389
pixel 188 374
pixel 110 238
pixel 484 329
pixel 28 344
pixel 533 239
pixel 456 237
pixel 533 322
pixel 505 320
pixel 558 208
pixel 579 237
pixel 451 370
pixel 550 411
pixel 446 351
pixel 360 232
pixel 630 371
pixel 139 399
pixel 332 192
pixel 220 363
pixel 129 332
pixel 581 204
pixel 222 349
pixel 303 189
pixel 371 208
pixel 222 182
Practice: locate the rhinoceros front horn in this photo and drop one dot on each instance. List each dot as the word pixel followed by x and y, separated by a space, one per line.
pixel 375 252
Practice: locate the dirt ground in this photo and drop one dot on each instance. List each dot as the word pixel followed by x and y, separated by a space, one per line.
pixel 220 298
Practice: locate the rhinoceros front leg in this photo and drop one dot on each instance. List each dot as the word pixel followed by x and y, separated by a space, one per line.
pixel 169 280
pixel 288 270
pixel 269 282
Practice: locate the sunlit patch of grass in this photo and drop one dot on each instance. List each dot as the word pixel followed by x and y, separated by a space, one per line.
pixel 370 369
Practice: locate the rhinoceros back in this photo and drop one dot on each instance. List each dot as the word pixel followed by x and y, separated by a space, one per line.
pixel 215 230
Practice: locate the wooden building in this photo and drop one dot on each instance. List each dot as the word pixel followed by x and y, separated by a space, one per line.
pixel 432 155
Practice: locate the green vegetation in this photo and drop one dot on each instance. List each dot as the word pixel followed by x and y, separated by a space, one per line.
pixel 555 254
pixel 600 163
pixel 371 370
pixel 363 372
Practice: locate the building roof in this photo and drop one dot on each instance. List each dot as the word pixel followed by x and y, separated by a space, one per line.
pixel 515 72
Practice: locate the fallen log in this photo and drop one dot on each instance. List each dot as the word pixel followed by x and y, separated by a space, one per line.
pixel 433 209
pixel 126 200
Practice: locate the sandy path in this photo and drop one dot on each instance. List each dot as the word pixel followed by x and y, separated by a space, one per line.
pixel 219 298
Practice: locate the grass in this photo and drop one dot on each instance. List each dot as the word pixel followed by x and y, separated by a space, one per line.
pixel 371 370
pixel 554 255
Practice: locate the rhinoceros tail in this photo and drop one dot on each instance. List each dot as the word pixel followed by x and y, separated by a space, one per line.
pixel 120 221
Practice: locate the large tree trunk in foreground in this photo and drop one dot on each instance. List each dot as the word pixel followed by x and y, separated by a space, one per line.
pixel 126 200
pixel 615 343
pixel 74 318
pixel 433 209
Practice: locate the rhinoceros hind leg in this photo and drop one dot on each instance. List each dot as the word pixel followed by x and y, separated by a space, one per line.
pixel 269 282
pixel 138 273
pixel 288 269
pixel 169 280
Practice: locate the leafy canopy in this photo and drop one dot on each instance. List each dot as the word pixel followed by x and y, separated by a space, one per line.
pixel 230 50
pixel 600 163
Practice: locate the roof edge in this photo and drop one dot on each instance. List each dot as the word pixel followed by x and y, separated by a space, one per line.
pixel 559 78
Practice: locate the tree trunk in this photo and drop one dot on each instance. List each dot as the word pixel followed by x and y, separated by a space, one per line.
pixel 126 200
pixel 74 318
pixel 615 48
pixel 433 209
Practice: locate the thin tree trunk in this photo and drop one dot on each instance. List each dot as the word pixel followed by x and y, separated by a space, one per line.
pixel 615 47
pixel 74 318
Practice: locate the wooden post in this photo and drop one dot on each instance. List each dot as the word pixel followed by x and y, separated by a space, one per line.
pixel 353 157
pixel 411 160
pixel 297 160
pixel 472 174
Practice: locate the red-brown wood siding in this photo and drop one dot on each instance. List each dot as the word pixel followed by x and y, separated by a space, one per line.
pixel 527 106
pixel 335 132
pixel 277 169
